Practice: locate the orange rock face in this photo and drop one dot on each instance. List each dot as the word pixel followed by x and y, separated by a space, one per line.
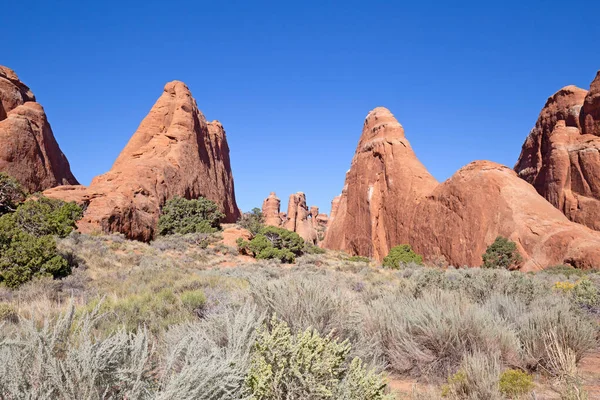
pixel 174 152
pixel 483 200
pixel 561 158
pixel 28 150
pixel 389 198
pixel 309 224
pixel 297 218
pixel 383 186
pixel 271 210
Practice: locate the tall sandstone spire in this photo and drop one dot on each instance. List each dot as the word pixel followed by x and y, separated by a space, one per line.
pixel 28 150
pixel 561 155
pixel 389 198
pixel 174 152
pixel 383 186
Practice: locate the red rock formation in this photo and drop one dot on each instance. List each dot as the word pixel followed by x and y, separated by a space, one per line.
pixel 28 149
pixel 271 210
pixel 389 198
pixel 483 200
pixel 383 186
pixel 561 158
pixel 174 152
pixel 297 218
pixel 590 113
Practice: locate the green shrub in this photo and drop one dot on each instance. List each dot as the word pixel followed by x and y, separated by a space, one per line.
pixel 359 259
pixel 193 301
pixel 24 257
pixel 502 253
pixel 514 383
pixel 308 366
pixel 44 216
pixel 182 216
pixel 565 270
pixel 11 193
pixel 476 379
pixel 401 254
pixel 310 248
pixel 585 292
pixel 253 221
pixel 8 313
pixel 273 243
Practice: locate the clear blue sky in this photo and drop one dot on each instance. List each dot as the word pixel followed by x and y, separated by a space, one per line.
pixel 292 81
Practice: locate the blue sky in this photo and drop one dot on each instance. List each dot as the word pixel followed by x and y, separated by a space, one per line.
pixel 292 81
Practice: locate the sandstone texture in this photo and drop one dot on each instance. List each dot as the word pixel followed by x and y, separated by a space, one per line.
pixel 389 198
pixel 297 218
pixel 271 210
pixel 174 152
pixel 383 187
pixel 233 233
pixel 28 150
pixel 308 223
pixel 561 155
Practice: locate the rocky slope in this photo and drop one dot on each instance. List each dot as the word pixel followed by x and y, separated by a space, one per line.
pixel 28 150
pixel 561 158
pixel 174 152
pixel 389 198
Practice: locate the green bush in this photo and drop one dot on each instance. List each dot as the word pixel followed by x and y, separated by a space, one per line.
pixel 585 292
pixel 359 259
pixel 27 245
pixel 24 256
pixel 273 243
pixel 401 254
pixel 11 193
pixel 44 216
pixel 310 248
pixel 514 383
pixel 502 253
pixel 253 221
pixel 308 366
pixel 182 216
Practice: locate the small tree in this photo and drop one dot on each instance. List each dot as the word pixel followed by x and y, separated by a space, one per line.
pixel 502 253
pixel 273 242
pixel 11 193
pixel 44 216
pixel 401 254
pixel 24 256
pixel 184 216
pixel 253 220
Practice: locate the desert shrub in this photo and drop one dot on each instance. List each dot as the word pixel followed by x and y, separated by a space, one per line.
pixel 24 256
pixel 154 310
pixel 502 253
pixel 308 301
pixel 11 193
pixel 44 216
pixel 253 220
pixel 585 292
pixel 565 270
pixel 8 313
pixel 401 254
pixel 182 243
pixel 209 359
pixel 184 216
pixel 308 366
pixel 515 383
pixel 273 243
pixel 63 360
pixel 476 379
pixel 431 334
pixel 310 248
pixel 359 259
